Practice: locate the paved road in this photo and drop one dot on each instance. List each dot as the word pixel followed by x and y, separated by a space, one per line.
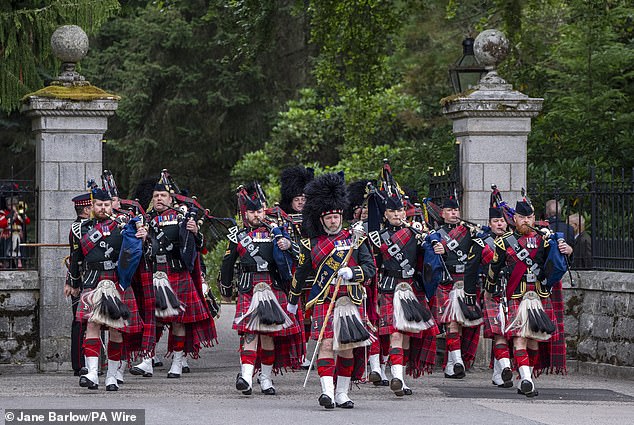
pixel 208 396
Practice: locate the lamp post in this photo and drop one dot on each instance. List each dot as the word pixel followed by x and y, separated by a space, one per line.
pixel 467 71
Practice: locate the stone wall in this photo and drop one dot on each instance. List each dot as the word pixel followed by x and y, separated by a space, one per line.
pixel 19 320
pixel 599 319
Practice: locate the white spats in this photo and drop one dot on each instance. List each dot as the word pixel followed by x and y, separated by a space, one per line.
pixel 455 366
pixel 246 372
pixel 177 366
pixel 92 377
pixel 341 394
pixel 111 375
pixel 265 377
pixel 327 386
pixel 396 384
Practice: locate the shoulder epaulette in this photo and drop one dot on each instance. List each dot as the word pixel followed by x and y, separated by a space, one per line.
pixel 233 234
pixel 500 241
pixel 305 243
pixel 479 241
pixel 375 238
pixel 75 228
pixel 361 240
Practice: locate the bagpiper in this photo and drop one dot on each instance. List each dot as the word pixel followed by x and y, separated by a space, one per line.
pixel 104 301
pixel 495 306
pixel 534 263
pixel 173 245
pixel 456 309
pixel 406 323
pixel 341 263
pixel 269 336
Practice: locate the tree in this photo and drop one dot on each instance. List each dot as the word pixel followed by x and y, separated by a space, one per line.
pixel 25 30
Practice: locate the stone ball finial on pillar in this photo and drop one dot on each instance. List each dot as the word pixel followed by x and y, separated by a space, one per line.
pixel 69 44
pixel 491 47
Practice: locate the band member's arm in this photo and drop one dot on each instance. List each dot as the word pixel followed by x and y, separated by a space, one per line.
pixel 226 270
pixel 365 268
pixel 472 268
pixel 304 267
pixel 74 268
pixel 498 262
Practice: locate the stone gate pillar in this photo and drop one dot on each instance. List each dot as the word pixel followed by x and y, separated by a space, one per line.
pixel 69 118
pixel 492 124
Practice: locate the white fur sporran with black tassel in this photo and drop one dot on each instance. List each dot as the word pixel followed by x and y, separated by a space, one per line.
pixel 167 303
pixel 532 321
pixel 453 308
pixel 349 331
pixel 409 314
pixel 106 305
pixel 265 313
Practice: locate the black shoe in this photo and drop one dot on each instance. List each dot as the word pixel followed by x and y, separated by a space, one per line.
pixel 242 385
pixel 269 391
pixel 140 372
pixel 112 387
pixel 82 371
pixel 186 369
pixel 173 375
pixel 347 405
pixel 407 391
pixel 119 381
pixel 93 386
pixel 529 394
pixel 382 383
pixel 526 386
pixel 83 381
pixel 374 377
pixel 458 369
pixel 455 376
pixel 326 401
pixel 396 385
pixel 504 385
pixel 157 363
pixel 507 376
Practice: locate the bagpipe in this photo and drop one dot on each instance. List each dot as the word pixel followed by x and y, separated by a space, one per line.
pixel 557 264
pixel 433 218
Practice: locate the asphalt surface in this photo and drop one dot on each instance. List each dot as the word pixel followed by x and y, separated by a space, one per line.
pixel 208 396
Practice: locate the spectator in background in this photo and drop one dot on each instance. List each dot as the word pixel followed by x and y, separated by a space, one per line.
pixel 553 209
pixel 582 254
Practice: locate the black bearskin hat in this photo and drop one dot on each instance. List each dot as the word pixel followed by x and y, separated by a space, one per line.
pixel 293 180
pixel 144 191
pixel 356 196
pixel 326 194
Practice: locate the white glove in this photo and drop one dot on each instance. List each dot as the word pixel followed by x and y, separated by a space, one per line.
pixel 291 308
pixel 345 273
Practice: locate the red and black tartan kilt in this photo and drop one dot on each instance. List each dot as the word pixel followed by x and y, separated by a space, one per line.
pixel 134 323
pixel 492 325
pixel 442 297
pixel 319 314
pixel 514 304
pixel 144 344
pixel 185 288
pixel 386 322
pixel 244 301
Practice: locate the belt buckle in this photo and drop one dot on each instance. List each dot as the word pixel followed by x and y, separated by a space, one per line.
pixel 459 268
pixel 408 273
pixel 263 267
pixel 108 265
pixel 161 258
pixel 531 278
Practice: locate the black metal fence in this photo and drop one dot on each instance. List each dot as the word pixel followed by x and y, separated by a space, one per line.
pixel 596 215
pixel 603 207
pixel 18 224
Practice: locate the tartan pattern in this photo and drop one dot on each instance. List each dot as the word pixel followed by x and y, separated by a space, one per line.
pixel 105 227
pixel 319 314
pixel 325 245
pixel 492 326
pixel 134 324
pixel 386 322
pixel 143 288
pixel 469 345
pixel 552 353
pixel 185 289
pixel 399 238
pixel 244 301
pixel 290 351
pixel 442 297
pixel 422 354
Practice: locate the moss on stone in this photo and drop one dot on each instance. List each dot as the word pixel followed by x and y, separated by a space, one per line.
pixel 78 93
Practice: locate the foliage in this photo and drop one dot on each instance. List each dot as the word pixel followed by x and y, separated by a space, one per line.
pixel 25 30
